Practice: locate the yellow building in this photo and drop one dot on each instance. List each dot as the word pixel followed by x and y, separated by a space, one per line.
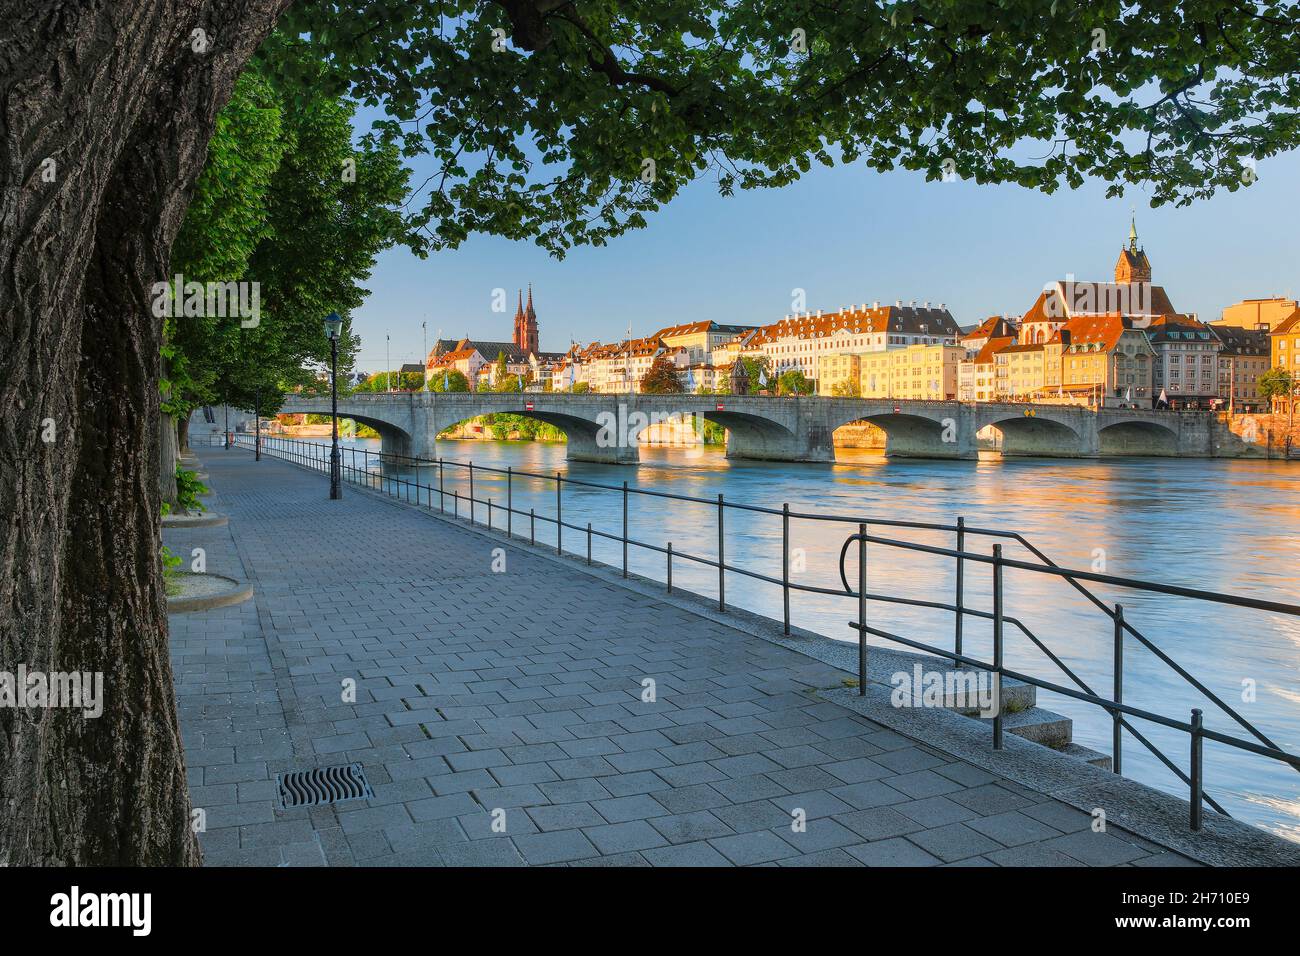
pixel 922 372
pixel 1285 339
pixel 1019 372
pixel 1258 313
pixel 840 374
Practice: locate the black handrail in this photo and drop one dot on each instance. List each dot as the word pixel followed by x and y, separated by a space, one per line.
pixel 313 455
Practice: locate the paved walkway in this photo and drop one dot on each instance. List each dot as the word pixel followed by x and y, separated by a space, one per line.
pixel 516 697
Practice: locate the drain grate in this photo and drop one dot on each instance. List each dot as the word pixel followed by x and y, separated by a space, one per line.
pixel 322 785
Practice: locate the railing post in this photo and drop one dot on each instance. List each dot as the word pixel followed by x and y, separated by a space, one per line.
pixel 961 588
pixel 1117 727
pixel 455 496
pixel 489 514
pixel 510 499
pixel 862 610
pixel 670 567
pixel 785 563
pixel 722 563
pixel 471 492
pixel 997 646
pixel 532 526
pixel 1197 741
pixel 441 506
pixel 559 516
pixel 625 529
pixel 588 542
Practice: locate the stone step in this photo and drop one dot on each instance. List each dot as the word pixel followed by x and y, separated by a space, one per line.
pixel 1037 725
pixel 1087 755
pixel 1016 696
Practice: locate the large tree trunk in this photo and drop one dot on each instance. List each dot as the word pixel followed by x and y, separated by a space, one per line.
pixel 168 458
pixel 115 94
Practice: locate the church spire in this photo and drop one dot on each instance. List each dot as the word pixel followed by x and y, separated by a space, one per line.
pixel 529 312
pixel 1133 235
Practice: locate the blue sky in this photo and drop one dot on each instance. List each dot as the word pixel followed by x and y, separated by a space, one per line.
pixel 845 235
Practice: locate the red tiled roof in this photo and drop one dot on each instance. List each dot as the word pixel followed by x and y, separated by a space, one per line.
pixel 1104 330
pixel 1288 325
pixel 992 347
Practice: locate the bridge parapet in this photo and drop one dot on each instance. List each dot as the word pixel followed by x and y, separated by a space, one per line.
pixel 607 427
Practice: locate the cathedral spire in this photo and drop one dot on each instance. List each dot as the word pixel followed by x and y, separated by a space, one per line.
pixel 1133 235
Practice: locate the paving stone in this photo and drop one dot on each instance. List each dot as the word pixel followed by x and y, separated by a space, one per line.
pixel 746 849
pixel 956 841
pixel 566 816
pixel 879 823
pixel 1013 828
pixel 686 854
pixel 1095 849
pixel 622 837
pixel 560 846
pixel 893 852
pixel 689 827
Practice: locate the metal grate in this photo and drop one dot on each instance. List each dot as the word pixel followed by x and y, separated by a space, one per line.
pixel 322 785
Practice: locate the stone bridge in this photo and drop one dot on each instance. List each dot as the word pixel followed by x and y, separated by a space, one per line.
pixel 605 428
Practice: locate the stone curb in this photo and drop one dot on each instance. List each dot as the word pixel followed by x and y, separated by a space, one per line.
pixel 207 520
pixel 238 593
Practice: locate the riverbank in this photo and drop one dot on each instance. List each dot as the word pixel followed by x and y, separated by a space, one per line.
pixel 516 695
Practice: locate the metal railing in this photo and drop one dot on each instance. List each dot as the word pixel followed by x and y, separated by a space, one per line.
pixel 357 469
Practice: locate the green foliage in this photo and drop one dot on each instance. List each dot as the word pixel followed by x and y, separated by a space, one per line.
pixel 171 563
pixel 1276 383
pixel 277 205
pixel 714 434
pixel 188 489
pixel 400 382
pixel 793 382
pixel 545 138
pixel 848 388
pixel 662 379
pixel 581 388
pixel 448 380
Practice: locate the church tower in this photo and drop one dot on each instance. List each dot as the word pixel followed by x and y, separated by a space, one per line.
pixel 1132 265
pixel 526 323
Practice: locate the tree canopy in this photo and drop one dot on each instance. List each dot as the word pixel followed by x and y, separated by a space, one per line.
pixel 567 123
pixel 662 379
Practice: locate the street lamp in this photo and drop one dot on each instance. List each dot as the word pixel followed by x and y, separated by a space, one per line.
pixel 333 328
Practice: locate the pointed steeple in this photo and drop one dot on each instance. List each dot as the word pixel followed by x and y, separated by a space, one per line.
pixel 1133 235
pixel 530 313
pixel 519 310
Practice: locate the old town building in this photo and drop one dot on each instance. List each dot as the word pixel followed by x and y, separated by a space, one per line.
pixel 1186 364
pixel 1243 357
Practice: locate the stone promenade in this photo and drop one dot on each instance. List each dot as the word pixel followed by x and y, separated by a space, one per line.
pixel 517 697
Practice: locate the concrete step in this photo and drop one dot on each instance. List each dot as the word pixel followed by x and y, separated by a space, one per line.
pixel 1087 755
pixel 1038 725
pixel 1016 696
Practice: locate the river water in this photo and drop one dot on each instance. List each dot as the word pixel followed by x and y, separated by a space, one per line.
pixel 1222 525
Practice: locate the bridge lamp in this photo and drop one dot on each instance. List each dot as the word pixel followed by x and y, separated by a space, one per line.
pixel 333 329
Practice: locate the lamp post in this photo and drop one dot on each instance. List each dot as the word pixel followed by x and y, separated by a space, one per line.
pixel 333 327
pixel 257 423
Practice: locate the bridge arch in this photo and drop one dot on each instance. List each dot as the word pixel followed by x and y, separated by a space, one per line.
pixel 758 438
pixel 606 438
pixel 912 434
pixel 1036 436
pixel 1138 438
